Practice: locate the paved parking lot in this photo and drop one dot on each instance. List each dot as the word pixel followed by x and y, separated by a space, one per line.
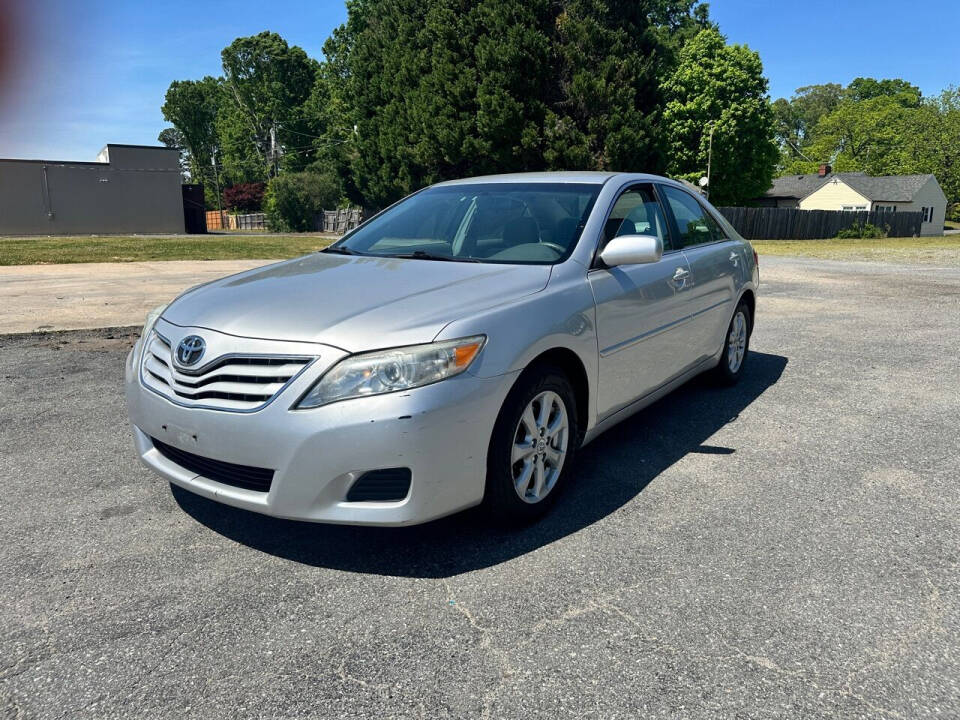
pixel 787 548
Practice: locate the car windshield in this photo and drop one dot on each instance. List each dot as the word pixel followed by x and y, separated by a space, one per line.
pixel 516 223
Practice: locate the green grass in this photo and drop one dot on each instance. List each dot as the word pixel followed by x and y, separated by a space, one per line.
pixel 927 250
pixel 36 250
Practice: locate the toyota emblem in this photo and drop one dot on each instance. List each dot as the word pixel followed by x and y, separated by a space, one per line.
pixel 190 350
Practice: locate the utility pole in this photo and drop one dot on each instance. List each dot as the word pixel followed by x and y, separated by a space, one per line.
pixel 713 125
pixel 216 183
pixel 273 149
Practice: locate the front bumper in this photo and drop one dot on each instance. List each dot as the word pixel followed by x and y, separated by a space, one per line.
pixel 440 432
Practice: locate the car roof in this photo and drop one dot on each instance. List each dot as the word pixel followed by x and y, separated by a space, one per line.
pixel 562 176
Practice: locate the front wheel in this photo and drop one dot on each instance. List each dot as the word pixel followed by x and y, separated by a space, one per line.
pixel 532 447
pixel 735 348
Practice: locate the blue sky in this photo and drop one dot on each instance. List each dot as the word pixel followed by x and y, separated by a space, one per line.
pixel 95 71
pixel 817 41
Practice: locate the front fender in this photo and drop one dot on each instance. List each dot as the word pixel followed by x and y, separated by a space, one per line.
pixel 563 316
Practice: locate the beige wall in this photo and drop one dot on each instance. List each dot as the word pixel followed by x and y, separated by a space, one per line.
pixel 137 191
pixel 835 195
pixel 930 195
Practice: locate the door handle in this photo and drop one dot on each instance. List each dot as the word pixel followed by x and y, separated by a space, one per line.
pixel 681 275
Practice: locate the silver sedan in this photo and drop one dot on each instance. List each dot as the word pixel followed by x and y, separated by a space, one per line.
pixel 456 349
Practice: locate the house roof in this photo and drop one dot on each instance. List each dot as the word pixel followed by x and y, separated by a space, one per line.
pixel 795 186
pixel 892 188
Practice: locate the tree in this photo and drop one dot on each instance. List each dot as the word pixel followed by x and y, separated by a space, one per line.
pixel 173 138
pixel 720 86
pixel 330 109
pixel 906 94
pixel 435 89
pixel 606 113
pixel 192 107
pixel 819 119
pixel 865 135
pixel 293 200
pixel 795 120
pixel 409 79
pixel 244 196
pixel 879 128
pixel 931 141
pixel 265 84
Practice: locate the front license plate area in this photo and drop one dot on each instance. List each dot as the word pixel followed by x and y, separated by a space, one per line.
pixel 179 436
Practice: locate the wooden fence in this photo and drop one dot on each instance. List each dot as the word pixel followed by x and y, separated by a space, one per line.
pixel 215 220
pixel 329 221
pixel 251 221
pixel 226 221
pixel 339 221
pixel 791 224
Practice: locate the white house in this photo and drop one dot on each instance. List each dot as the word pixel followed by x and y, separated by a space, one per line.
pixel 827 190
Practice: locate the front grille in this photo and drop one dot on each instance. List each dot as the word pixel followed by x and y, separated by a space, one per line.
pixel 232 382
pixel 241 476
pixel 387 485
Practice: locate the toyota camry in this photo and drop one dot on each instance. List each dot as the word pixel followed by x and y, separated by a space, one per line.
pixel 458 348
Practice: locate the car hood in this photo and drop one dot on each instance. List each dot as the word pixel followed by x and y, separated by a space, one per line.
pixel 352 303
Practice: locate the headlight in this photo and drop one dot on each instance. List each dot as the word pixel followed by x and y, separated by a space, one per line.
pixel 151 320
pixel 391 370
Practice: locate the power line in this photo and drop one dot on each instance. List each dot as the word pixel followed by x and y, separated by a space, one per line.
pixel 798 150
pixel 253 163
pixel 297 132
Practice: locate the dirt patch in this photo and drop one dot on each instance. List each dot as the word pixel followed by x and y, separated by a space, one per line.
pixel 101 340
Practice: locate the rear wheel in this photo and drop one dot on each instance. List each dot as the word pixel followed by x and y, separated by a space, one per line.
pixel 532 447
pixel 736 347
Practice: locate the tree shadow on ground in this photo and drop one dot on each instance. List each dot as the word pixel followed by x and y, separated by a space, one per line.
pixel 610 472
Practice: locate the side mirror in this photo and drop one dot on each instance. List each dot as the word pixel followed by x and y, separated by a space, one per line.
pixel 632 250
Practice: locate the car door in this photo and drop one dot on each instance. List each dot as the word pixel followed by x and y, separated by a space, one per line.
pixel 639 307
pixel 714 262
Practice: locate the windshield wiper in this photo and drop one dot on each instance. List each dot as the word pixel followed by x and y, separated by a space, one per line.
pixel 424 255
pixel 340 250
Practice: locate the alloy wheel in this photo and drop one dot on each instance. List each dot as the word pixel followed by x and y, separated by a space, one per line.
pixel 737 342
pixel 540 445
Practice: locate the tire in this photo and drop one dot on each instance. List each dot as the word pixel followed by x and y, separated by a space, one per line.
pixel 510 475
pixel 736 347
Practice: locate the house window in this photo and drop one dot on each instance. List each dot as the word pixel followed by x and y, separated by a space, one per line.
pixel 927 214
pixel 854 208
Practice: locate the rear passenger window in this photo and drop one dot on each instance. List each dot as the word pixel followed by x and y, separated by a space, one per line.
pixel 637 212
pixel 715 228
pixel 693 222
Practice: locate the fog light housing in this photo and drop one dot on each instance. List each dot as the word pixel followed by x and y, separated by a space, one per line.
pixel 386 485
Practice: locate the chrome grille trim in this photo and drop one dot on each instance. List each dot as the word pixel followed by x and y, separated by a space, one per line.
pixel 234 382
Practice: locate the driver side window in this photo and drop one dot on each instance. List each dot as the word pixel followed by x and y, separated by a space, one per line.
pixel 637 212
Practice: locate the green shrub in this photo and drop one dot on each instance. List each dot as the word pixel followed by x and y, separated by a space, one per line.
pixel 293 200
pixel 862 230
pixel 953 212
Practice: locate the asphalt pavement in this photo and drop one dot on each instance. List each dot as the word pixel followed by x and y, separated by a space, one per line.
pixel 787 548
